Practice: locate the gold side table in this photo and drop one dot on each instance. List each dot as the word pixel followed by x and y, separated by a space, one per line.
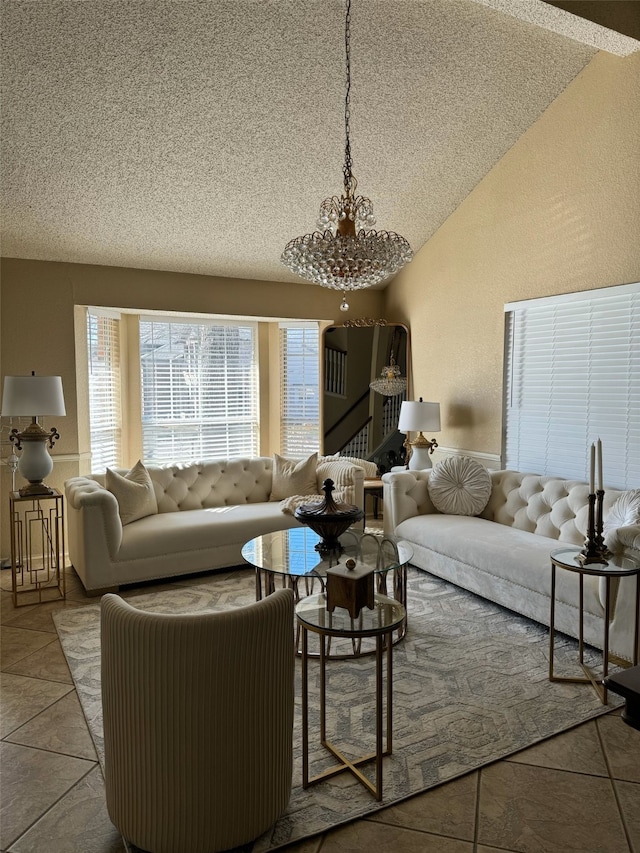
pixel 565 558
pixel 380 622
pixel 37 548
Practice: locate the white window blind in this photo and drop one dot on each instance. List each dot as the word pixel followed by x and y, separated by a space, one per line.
pixel 300 407
pixel 199 389
pixel 573 375
pixel 105 414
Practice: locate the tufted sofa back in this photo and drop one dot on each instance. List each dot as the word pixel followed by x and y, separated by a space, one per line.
pixel 549 506
pixel 230 482
pixel 202 485
pixel 223 482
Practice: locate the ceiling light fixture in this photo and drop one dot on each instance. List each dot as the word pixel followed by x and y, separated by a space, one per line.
pixel 346 255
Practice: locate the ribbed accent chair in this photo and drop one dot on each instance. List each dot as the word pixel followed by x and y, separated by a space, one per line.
pixel 198 723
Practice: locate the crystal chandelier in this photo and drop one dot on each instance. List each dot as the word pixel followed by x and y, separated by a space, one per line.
pixel 391 383
pixel 346 254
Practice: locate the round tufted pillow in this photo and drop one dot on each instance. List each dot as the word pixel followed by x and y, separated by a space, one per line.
pixel 460 486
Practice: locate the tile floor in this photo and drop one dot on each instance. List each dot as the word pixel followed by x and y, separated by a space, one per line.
pixel 579 791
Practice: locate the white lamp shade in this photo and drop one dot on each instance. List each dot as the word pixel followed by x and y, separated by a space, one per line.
pixel 418 416
pixel 32 396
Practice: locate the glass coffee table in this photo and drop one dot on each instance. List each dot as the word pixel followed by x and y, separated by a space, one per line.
pixel 290 556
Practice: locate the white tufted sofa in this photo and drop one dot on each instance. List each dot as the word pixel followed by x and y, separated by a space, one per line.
pixel 206 513
pixel 503 554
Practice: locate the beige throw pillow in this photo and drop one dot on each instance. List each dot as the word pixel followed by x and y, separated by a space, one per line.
pixel 134 492
pixel 293 477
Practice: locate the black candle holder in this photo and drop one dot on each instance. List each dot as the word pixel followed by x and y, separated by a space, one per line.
pixel 594 550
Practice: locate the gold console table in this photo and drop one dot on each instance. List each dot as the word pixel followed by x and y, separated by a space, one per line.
pixel 37 548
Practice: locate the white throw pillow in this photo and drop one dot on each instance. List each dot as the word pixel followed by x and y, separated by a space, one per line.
pixel 370 468
pixel 459 486
pixel 293 477
pixel 624 512
pixel 134 492
pixel 290 505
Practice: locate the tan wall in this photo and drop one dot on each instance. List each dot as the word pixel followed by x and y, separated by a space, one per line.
pixel 37 325
pixel 559 213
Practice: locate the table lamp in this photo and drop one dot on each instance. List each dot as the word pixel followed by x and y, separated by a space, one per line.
pixel 22 397
pixel 419 416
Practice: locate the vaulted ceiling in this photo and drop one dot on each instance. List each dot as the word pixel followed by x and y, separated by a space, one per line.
pixel 201 136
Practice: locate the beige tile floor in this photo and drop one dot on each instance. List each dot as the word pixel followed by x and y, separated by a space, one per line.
pixel 578 791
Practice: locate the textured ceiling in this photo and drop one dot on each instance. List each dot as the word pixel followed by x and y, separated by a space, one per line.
pixel 201 136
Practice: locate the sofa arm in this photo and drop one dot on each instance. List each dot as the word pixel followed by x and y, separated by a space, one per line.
pixel 94 529
pixel 405 495
pixel 347 477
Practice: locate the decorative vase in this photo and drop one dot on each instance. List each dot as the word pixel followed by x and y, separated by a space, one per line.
pixel 329 520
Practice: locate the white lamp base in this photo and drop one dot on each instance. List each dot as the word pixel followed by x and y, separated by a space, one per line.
pixel 35 462
pixel 420 458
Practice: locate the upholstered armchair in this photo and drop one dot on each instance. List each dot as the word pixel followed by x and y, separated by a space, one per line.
pixel 198 722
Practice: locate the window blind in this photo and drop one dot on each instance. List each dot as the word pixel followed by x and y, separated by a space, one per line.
pixel 572 375
pixel 300 395
pixel 103 344
pixel 199 389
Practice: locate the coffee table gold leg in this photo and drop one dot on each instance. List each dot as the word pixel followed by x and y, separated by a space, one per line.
pixel 636 635
pixel 258 585
pixel 389 748
pixel 379 746
pixel 605 651
pixel 305 711
pixel 581 632
pixel 552 620
pixel 323 704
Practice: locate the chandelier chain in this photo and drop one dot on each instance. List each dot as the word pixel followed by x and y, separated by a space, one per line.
pixel 348 176
pixel 345 253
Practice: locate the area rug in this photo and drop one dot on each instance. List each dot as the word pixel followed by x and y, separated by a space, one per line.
pixel 470 686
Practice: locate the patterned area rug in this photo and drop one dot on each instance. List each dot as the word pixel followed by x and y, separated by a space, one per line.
pixel 470 687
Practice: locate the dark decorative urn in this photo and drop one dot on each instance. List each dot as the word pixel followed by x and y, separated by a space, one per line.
pixel 329 520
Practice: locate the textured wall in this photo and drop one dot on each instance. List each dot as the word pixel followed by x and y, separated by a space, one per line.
pixel 559 213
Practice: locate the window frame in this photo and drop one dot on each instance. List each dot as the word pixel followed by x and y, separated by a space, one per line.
pixel 213 410
pixel 268 375
pixel 113 382
pixel 310 443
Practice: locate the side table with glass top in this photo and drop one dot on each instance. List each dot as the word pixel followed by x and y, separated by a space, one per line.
pixel 37 547
pixel 566 558
pixel 379 622
pixel 291 555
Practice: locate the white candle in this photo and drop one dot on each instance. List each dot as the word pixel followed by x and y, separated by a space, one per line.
pixel 592 469
pixel 599 458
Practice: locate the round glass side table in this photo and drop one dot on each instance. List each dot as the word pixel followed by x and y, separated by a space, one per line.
pixel 566 558
pixel 379 622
